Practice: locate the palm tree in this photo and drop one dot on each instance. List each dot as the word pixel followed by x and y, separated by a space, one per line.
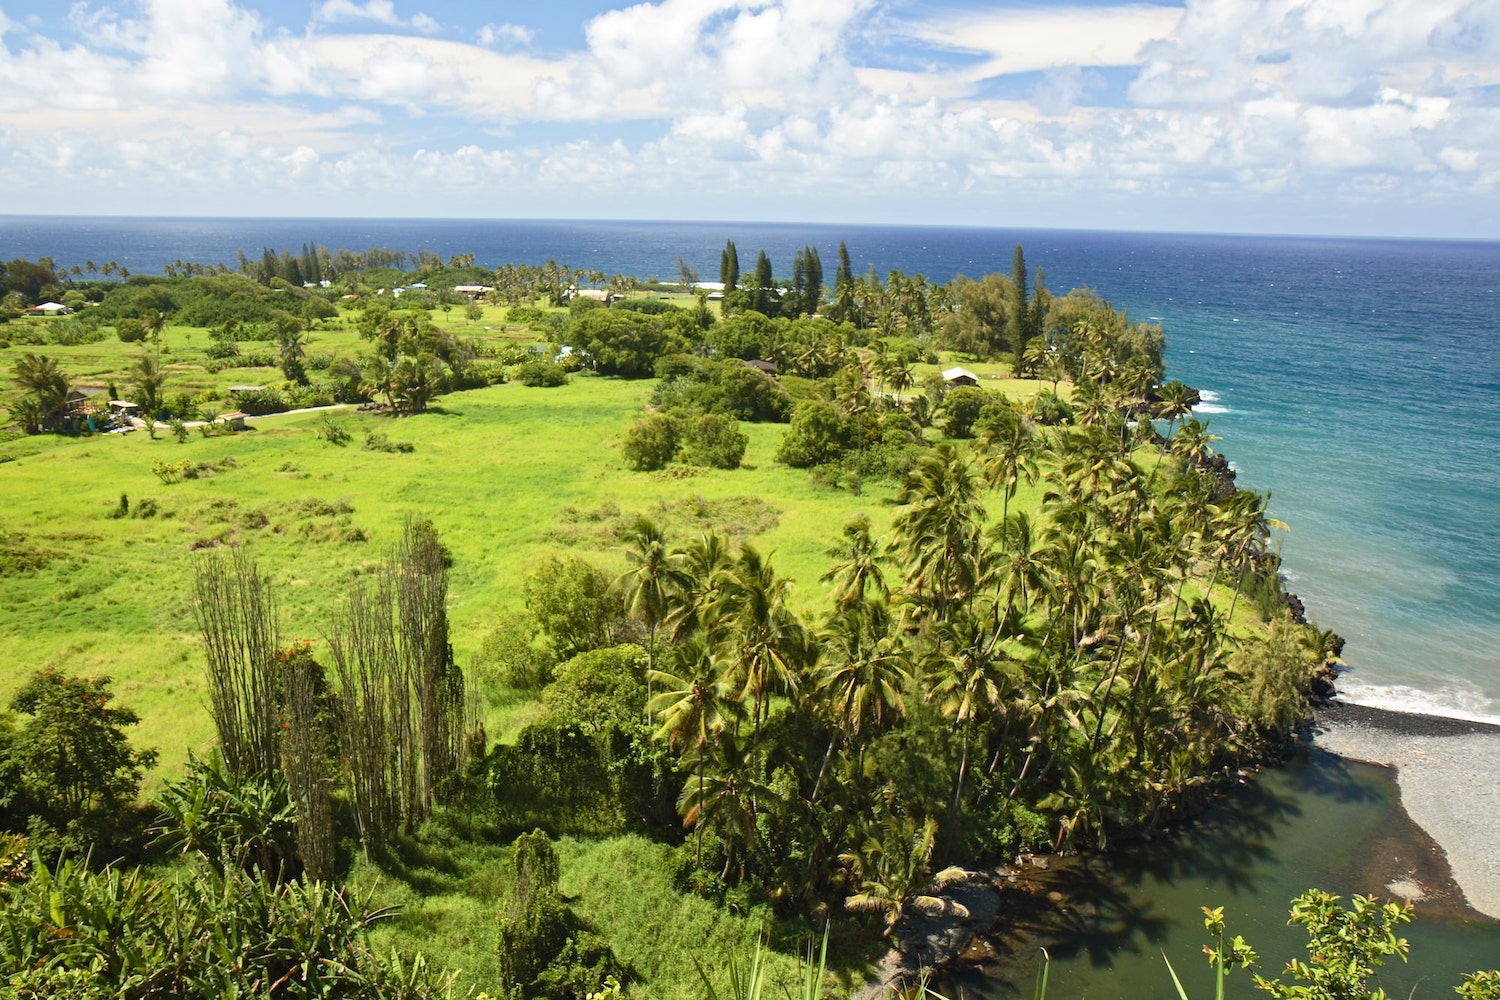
pixel 891 870
pixel 1172 402
pixel 1192 442
pixel 694 703
pixel 724 795
pixel 155 321
pixel 705 560
pixel 769 642
pixel 938 529
pixel 1011 456
pixel 149 379
pixel 856 576
pixel 971 677
pixel 655 581
pixel 864 669
pixel 40 377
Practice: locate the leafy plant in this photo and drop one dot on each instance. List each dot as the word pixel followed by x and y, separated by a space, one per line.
pixel 75 762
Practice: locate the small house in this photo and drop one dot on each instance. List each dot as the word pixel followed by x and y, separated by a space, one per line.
pixel 234 421
pixel 49 309
pixel 960 376
pixel 764 367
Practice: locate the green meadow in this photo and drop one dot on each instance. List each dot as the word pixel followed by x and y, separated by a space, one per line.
pixel 97 550
pixel 509 475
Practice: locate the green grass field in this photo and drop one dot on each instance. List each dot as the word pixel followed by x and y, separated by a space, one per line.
pixel 509 475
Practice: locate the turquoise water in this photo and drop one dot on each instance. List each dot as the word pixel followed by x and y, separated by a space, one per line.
pixel 1319 822
pixel 1357 380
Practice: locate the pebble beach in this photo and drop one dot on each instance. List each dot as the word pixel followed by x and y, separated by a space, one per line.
pixel 1448 774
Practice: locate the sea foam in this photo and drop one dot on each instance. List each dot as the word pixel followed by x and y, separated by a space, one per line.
pixel 1449 702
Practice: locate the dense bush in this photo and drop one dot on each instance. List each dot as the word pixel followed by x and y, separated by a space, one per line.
pixel 68 932
pixel 545 950
pixel 541 374
pixel 819 434
pixel 713 439
pixel 728 387
pixel 257 402
pixel 73 761
pixel 650 443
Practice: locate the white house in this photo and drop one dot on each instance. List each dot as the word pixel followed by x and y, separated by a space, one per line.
pixel 960 376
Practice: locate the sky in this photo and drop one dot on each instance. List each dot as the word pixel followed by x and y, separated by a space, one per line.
pixel 1341 117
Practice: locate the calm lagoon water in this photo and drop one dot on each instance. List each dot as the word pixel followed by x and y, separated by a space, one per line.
pixel 1320 821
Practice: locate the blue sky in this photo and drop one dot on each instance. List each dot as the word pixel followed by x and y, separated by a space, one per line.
pixel 1377 117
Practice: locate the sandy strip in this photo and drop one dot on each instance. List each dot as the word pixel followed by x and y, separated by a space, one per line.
pixel 1448 772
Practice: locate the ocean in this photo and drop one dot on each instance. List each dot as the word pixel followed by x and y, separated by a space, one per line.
pixel 1357 380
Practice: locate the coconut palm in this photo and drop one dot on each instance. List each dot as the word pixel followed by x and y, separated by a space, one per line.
pixel 938 529
pixel 724 795
pixel 149 378
pixel 45 386
pixel 769 643
pixel 1172 402
pixel 694 703
pixel 1192 442
pixel 891 870
pixel 864 670
pixel 856 575
pixel 654 583
pixel 1010 456
pixel 705 560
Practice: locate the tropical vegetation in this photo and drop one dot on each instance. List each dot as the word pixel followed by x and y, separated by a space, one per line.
pixel 1018 618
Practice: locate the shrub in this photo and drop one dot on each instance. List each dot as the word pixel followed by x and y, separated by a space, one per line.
pixel 818 434
pixel 379 442
pixel 541 374
pixel 517 653
pixel 961 409
pixel 651 442
pixel 333 433
pixel 126 934
pixel 74 761
pixel 715 440
pixel 257 402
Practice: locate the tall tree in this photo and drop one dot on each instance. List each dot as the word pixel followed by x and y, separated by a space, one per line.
pixel 729 273
pixel 1017 320
pixel 763 297
pixel 653 584
pixel 844 308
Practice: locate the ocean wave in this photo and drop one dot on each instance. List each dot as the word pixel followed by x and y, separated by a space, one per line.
pixel 1467 704
pixel 1210 408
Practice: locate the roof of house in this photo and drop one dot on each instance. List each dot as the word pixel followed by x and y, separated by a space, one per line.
pixel 954 374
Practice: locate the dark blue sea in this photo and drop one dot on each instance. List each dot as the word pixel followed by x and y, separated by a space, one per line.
pixel 1357 380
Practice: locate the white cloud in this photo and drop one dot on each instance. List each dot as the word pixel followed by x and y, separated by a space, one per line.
pixel 1026 40
pixel 1230 101
pixel 505 35
pixel 334 11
